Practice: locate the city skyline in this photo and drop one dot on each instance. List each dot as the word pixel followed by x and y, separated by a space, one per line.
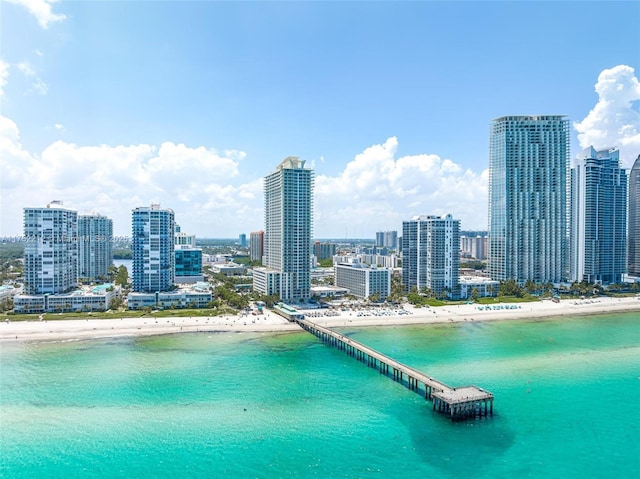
pixel 390 104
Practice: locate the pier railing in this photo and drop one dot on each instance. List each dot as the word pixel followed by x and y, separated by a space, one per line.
pixel 457 403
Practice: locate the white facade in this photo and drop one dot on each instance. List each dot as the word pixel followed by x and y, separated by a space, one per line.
pixel 95 246
pixel 193 296
pixel 598 217
pixel 256 245
pixel 87 299
pixel 363 281
pixel 51 249
pixel 528 189
pixel 288 194
pixel 484 286
pixel 430 254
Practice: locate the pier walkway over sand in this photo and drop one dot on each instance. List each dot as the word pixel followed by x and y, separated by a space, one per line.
pixel 457 403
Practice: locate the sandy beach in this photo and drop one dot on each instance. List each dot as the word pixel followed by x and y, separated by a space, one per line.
pixel 82 329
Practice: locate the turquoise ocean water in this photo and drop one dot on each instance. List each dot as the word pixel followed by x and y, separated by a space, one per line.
pixel 285 405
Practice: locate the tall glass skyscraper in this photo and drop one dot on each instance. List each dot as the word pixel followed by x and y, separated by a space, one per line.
pixel 152 245
pixel 51 249
pixel 288 217
pixel 528 170
pixel 95 246
pixel 633 259
pixel 598 239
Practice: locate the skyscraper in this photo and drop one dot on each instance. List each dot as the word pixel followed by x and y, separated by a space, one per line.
pixel 387 239
pixel 152 244
pixel 95 246
pixel 288 204
pixel 51 249
pixel 634 220
pixel 256 245
pixel 528 169
pixel 430 254
pixel 598 239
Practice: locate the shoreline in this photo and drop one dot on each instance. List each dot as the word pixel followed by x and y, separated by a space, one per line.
pixel 87 329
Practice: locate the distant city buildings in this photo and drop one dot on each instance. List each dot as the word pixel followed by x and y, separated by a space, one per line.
pixel 324 250
pixel 598 239
pixel 430 255
pixel 363 281
pixel 95 247
pixel 51 249
pixel 388 239
pixel 633 259
pixel 288 194
pixel 152 245
pixel 474 246
pixel 242 239
pixel 528 169
pixel 256 245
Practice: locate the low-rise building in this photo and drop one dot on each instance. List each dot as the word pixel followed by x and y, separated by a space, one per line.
pixel 483 285
pixel 363 281
pixel 198 295
pixel 97 298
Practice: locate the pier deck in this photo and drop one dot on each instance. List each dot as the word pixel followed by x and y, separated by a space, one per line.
pixel 457 403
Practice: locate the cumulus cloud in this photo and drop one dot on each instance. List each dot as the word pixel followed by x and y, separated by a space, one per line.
pixel 376 190
pixel 615 119
pixel 41 10
pixel 195 182
pixel 4 73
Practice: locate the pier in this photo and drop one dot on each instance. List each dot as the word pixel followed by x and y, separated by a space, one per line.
pixel 456 403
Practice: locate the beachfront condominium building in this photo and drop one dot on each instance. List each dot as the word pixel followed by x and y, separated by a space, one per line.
pixel 363 280
pixel 288 214
pixel 388 239
pixel 256 245
pixel 528 170
pixel 152 245
pixel 95 247
pixel 598 239
pixel 430 255
pixel 51 249
pixel 633 259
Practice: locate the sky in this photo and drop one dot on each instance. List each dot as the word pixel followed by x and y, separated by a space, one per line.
pixel 112 105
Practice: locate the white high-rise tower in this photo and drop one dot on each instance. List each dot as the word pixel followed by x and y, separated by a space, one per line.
pixel 288 217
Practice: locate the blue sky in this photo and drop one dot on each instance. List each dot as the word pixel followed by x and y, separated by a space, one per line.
pixel 113 105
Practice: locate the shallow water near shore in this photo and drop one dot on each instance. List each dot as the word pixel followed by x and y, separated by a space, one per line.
pixel 285 405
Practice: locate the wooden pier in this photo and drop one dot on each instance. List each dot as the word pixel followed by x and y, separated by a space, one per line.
pixel 456 403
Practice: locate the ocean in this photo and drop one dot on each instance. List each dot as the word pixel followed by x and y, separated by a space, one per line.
pixel 245 405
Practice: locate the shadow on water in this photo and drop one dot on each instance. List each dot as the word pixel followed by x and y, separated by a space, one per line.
pixel 461 448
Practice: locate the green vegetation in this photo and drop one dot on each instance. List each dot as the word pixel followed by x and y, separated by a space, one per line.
pixel 325 263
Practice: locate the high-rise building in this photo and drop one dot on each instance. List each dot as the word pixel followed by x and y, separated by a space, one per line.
pixel 388 239
pixel 598 239
pixel 256 245
pixel 324 250
pixel 51 249
pixel 633 259
pixel 430 254
pixel 95 247
pixel 528 169
pixel 242 239
pixel 152 244
pixel 362 280
pixel 288 205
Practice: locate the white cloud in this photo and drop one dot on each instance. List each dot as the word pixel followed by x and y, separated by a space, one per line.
pixel 38 86
pixel 615 119
pixel 59 126
pixel 113 180
pixel 4 73
pixel 377 191
pixel 41 10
